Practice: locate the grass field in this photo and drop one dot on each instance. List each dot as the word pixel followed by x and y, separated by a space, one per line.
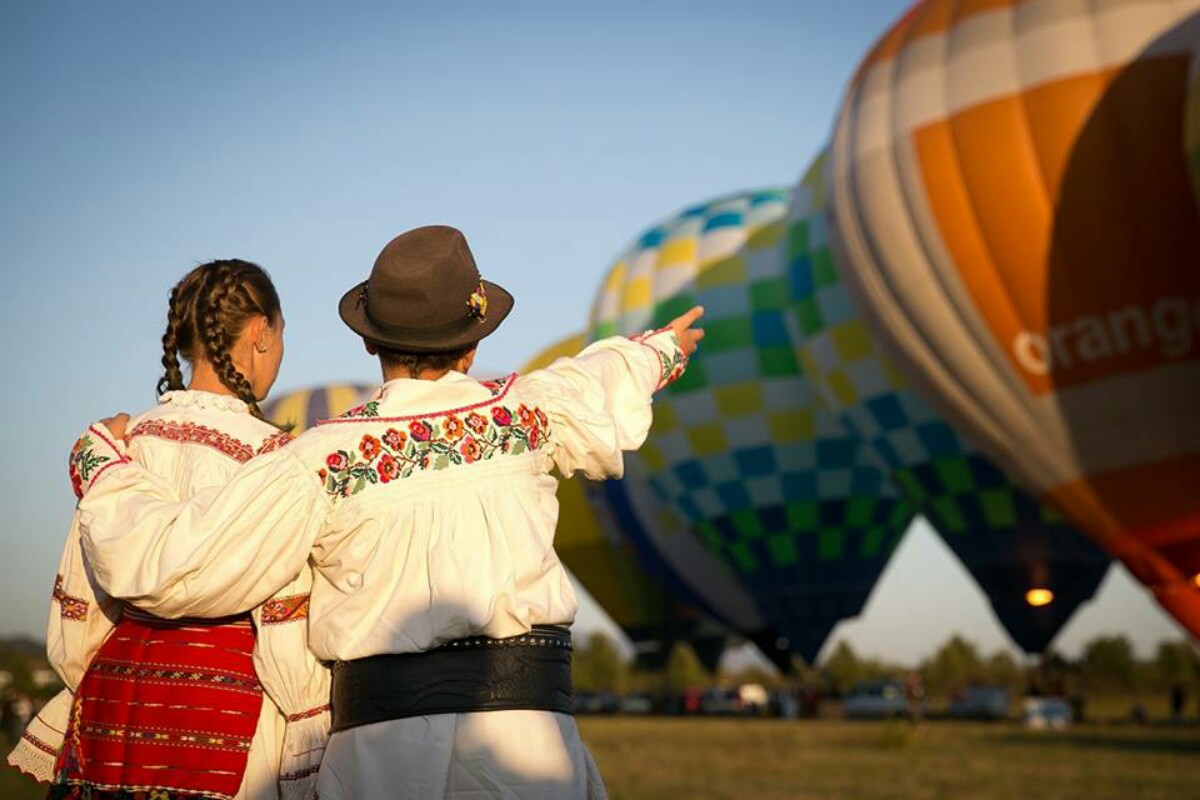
pixel 771 760
pixel 653 758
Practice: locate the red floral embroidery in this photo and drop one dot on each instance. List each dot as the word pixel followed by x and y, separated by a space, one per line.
pixel 671 365
pixel 84 464
pixel 292 608
pixel 498 385
pixel 437 442
pixel 394 439
pixel 388 468
pixel 274 442
pixel 453 428
pixel 191 433
pixel 369 446
pixel 72 608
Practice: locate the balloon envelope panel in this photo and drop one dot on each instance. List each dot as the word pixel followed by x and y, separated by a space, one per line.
pixel 1011 206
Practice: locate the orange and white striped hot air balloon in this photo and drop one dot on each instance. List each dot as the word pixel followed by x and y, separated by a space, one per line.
pixel 1013 213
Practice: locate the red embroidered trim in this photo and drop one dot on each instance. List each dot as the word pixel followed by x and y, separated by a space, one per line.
pixel 39 744
pixel 312 712
pixel 670 366
pixel 191 433
pixel 72 608
pixel 509 380
pixel 107 440
pixel 274 442
pixel 285 609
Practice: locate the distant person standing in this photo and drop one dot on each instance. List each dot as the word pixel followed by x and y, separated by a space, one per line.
pixel 1178 701
pixel 914 695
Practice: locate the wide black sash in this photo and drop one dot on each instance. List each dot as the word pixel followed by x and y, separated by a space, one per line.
pixel 531 671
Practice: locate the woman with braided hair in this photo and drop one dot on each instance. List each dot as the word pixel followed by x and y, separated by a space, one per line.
pixel 234 707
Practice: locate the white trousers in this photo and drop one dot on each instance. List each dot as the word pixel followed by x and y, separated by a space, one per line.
pixel 530 755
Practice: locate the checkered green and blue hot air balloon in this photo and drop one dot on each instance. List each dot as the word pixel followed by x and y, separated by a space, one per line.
pixel 1011 544
pixel 745 475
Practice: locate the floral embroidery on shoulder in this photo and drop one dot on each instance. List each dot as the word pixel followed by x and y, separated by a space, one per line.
pixel 85 464
pixel 434 443
pixel 498 386
pixel 368 409
pixel 292 608
pixel 274 442
pixel 70 607
pixel 191 433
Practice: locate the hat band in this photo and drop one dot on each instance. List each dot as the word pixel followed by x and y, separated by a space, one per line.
pixel 426 333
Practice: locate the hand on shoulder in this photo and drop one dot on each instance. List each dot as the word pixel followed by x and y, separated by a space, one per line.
pixel 116 426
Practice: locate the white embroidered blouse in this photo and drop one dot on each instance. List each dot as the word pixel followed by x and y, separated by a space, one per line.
pixel 190 442
pixel 429 512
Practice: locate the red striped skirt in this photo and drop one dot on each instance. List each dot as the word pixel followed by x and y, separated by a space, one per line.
pixel 167 706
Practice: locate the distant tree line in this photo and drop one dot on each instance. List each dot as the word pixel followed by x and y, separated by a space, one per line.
pixel 1108 665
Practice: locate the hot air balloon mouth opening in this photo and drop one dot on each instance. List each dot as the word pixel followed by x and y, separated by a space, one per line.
pixel 1039 597
pixel 1196 580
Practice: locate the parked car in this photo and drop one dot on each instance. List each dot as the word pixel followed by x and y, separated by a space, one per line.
pixel 1046 712
pixel 637 704
pixel 981 702
pixel 876 700
pixel 597 703
pixel 720 701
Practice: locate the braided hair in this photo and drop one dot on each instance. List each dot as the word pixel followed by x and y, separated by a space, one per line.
pixel 207 312
pixel 172 379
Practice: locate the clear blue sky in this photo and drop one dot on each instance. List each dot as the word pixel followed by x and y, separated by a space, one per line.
pixel 141 138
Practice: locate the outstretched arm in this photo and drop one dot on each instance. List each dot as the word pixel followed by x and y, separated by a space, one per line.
pixel 599 402
pixel 223 551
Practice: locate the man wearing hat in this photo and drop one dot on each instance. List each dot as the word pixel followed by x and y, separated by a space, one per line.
pixel 429 513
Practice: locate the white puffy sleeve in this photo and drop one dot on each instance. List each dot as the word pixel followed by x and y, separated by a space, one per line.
pixel 223 551
pixel 599 401
pixel 81 614
pixel 81 618
pixel 298 683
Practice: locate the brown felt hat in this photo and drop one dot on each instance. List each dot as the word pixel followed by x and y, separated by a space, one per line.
pixel 425 294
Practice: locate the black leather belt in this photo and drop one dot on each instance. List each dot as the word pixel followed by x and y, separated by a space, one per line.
pixel 531 671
